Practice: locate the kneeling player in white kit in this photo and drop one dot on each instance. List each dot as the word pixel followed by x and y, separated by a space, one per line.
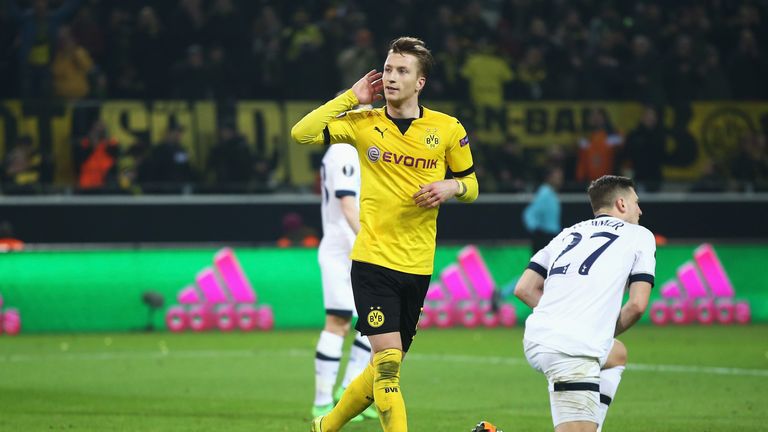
pixel 340 175
pixel 575 286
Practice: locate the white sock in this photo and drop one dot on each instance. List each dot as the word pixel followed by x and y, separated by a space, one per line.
pixel 327 359
pixel 359 356
pixel 609 383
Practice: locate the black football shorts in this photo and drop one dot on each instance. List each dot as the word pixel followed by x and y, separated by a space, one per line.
pixel 388 300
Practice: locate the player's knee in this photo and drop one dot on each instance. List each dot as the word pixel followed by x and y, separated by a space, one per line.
pixel 618 356
pixel 337 325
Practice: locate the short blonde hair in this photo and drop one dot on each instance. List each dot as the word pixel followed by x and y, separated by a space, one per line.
pixel 417 48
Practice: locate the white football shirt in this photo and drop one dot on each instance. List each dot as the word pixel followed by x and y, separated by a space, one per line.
pixel 587 268
pixel 340 176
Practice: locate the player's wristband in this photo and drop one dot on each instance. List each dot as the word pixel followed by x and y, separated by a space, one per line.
pixel 462 188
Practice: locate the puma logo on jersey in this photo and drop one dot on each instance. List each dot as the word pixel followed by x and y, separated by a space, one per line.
pixel 376 128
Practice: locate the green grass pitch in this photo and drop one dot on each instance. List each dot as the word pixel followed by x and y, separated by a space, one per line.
pixel 679 379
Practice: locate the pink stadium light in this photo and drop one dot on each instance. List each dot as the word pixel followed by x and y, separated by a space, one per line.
pixel 435 292
pixel 454 281
pixel 713 271
pixel 671 290
pixel 209 285
pixel 689 277
pixel 477 271
pixel 234 278
pixel 188 296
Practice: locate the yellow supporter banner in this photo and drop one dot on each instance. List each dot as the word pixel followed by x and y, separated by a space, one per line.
pixel 49 126
pixel 719 128
pixel 707 132
pixel 301 172
pixel 262 125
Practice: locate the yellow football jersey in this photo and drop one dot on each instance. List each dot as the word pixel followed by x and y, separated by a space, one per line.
pixel 397 156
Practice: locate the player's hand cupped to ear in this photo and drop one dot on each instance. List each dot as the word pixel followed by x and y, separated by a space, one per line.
pixel 368 88
pixel 436 193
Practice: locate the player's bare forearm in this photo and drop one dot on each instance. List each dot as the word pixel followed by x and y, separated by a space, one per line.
pixel 309 130
pixel 530 288
pixel 628 316
pixel 632 311
pixel 351 212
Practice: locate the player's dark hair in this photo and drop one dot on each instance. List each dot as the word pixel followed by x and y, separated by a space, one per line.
pixel 603 191
pixel 417 48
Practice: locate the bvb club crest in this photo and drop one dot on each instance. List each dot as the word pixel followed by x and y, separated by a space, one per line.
pixel 376 317
pixel 431 139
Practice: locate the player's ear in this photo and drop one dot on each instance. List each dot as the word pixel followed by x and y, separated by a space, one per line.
pixel 420 83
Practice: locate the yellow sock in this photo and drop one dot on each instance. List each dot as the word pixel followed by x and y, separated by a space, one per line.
pixel 356 398
pixel 386 390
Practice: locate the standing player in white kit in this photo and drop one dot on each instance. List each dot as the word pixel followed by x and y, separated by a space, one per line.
pixel 340 176
pixel 575 286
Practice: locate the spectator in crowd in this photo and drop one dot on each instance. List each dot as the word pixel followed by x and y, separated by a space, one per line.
pixel 24 167
pixel 644 152
pixel 38 29
pixel 487 73
pixel 532 76
pixel 356 60
pixel 189 25
pixel 747 69
pixel 96 160
pixel 681 75
pixel 542 216
pixel 71 68
pixel 224 79
pixel 150 57
pixel 304 45
pixel 597 150
pixel 8 241
pixel 191 78
pixel 132 168
pixel 8 69
pixel 169 167
pixel 120 53
pixel 88 32
pixel 225 27
pixel 231 160
pixel 750 166
pixel 712 180
pixel 714 79
pixel 445 82
pixel 296 233
pixel 606 78
pixel 267 51
pixel 510 165
pixel 644 74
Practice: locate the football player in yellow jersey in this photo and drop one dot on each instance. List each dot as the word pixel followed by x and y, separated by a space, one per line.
pixel 405 151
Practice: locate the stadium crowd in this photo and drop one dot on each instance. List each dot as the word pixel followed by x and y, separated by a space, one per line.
pixel 654 52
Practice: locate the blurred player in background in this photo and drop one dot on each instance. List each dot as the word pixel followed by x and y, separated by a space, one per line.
pixel 405 151
pixel 575 286
pixel 340 176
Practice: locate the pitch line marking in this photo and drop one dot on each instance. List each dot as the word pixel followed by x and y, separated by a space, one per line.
pixel 452 358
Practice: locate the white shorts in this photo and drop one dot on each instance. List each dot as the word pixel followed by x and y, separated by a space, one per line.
pixel 574 383
pixel 337 285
